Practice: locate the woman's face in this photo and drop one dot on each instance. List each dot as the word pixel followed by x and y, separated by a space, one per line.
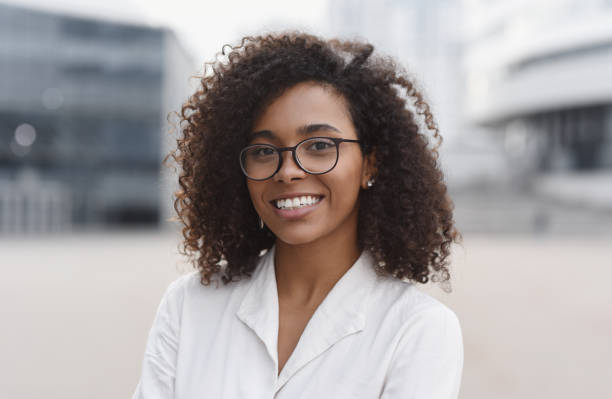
pixel 283 124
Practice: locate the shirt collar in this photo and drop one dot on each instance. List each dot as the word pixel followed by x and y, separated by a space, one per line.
pixel 342 312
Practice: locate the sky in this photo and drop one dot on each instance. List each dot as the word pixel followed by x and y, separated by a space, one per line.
pixel 203 27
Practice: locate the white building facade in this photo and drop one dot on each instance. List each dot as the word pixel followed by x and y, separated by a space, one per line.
pixel 539 74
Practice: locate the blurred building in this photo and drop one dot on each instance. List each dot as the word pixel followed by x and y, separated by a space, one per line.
pixel 539 80
pixel 522 94
pixel 83 108
pixel 424 36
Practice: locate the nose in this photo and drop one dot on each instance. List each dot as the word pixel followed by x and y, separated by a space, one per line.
pixel 289 169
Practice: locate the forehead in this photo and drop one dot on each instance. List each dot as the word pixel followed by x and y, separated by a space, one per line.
pixel 303 104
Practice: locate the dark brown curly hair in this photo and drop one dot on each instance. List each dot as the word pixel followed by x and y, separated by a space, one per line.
pixel 405 220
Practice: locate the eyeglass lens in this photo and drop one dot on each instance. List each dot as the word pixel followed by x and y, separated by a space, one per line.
pixel 316 155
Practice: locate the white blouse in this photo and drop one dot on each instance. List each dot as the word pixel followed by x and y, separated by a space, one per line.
pixel 371 337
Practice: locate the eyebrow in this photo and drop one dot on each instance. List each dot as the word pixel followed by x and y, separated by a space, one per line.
pixel 302 130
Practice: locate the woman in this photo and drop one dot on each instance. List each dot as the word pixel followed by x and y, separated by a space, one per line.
pixel 311 197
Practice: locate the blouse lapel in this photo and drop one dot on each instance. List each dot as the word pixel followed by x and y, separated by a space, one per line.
pixel 341 313
pixel 259 307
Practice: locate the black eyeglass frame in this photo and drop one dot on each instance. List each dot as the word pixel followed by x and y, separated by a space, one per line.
pixel 280 151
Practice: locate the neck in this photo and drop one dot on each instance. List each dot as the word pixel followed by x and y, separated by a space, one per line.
pixel 306 273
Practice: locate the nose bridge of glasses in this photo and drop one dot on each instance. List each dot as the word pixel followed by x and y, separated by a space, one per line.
pixel 291 155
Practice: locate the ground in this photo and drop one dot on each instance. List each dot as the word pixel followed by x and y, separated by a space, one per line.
pixel 535 312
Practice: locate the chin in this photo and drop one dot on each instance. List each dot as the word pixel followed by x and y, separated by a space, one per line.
pixel 297 236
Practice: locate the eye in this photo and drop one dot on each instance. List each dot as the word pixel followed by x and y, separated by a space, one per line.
pixel 319 145
pixel 261 152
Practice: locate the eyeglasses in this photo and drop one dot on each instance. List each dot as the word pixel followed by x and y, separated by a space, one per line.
pixel 315 155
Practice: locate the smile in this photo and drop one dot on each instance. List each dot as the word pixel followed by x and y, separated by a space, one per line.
pixel 296 202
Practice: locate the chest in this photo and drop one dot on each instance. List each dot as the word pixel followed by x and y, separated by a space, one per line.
pixel 232 362
pixel 295 352
pixel 291 324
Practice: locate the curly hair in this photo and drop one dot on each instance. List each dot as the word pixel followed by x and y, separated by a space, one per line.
pixel 405 220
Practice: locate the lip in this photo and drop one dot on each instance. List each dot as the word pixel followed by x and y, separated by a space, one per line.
pixel 292 214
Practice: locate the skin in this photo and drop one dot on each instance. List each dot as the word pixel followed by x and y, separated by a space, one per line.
pixel 314 251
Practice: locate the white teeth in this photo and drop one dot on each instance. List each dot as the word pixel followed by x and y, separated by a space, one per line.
pixel 297 202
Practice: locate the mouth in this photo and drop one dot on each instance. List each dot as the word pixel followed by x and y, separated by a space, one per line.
pixel 297 202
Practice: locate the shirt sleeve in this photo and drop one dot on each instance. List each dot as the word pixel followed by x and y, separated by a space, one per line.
pixel 158 368
pixel 428 361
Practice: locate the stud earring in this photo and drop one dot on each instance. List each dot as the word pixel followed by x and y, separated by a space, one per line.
pixel 261 223
pixel 370 183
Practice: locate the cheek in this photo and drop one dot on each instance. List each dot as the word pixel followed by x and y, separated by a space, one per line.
pixel 254 193
pixel 345 187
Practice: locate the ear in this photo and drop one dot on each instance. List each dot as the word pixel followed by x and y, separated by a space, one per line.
pixel 369 170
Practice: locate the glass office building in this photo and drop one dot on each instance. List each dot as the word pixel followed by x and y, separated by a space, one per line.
pixel 83 109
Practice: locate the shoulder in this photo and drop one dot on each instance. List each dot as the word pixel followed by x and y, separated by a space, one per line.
pixel 190 284
pixel 187 293
pixel 177 288
pixel 415 312
pixel 427 343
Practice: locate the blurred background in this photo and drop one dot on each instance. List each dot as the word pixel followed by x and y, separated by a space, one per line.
pixel 522 92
